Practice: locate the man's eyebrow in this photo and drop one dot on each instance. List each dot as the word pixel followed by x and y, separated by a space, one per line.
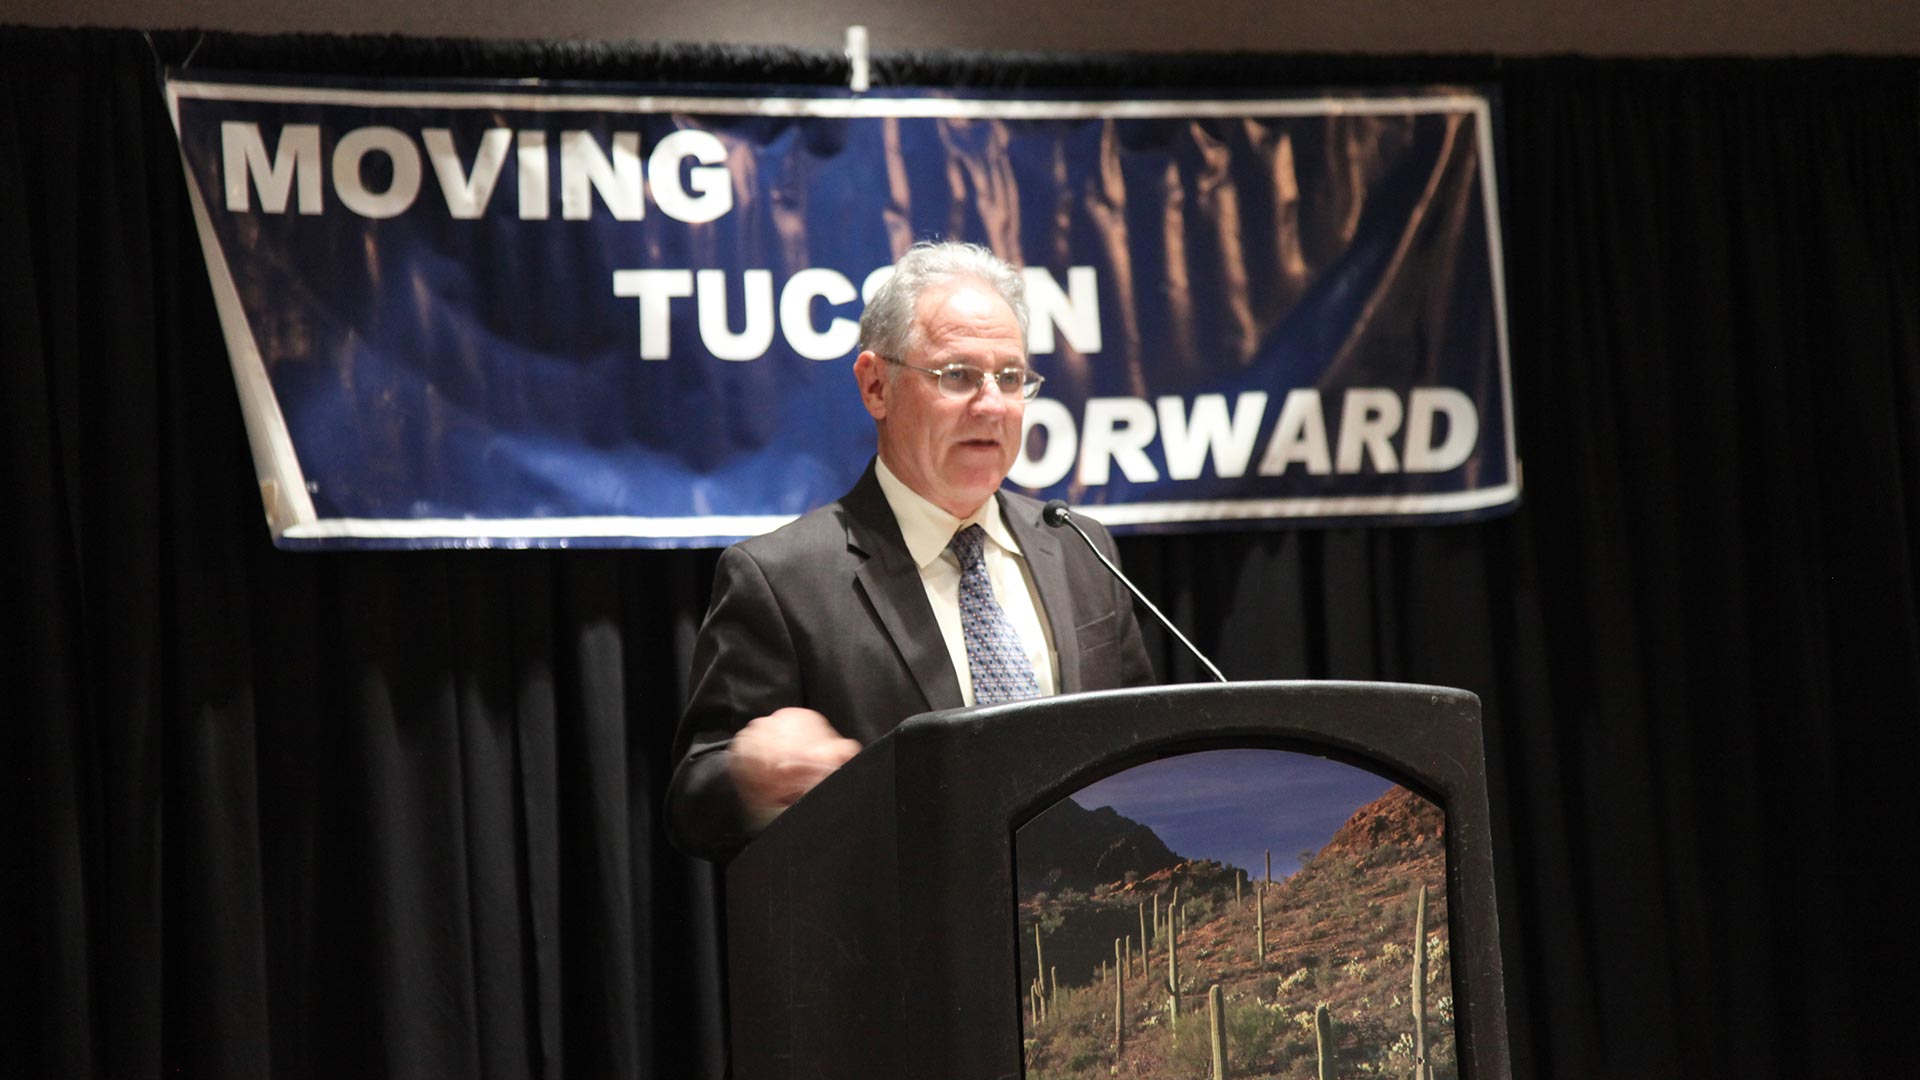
pixel 976 360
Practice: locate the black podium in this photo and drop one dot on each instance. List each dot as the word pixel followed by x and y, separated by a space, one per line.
pixel 873 928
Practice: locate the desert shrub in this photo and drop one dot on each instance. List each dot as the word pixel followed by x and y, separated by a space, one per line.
pixel 1365 1042
pixel 1400 1054
pixel 1384 855
pixel 1083 1058
pixel 1252 1032
pixel 1255 1035
pixel 1200 909
pixel 1398 1060
pixel 1076 1039
pixel 1192 1055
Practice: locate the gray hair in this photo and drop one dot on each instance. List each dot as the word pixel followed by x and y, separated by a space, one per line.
pixel 887 325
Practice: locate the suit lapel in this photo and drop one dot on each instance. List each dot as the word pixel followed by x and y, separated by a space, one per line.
pixel 1041 546
pixel 892 584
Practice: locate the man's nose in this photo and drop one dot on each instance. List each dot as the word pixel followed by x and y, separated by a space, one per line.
pixel 988 400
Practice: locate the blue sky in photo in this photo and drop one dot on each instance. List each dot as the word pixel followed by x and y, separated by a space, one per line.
pixel 1234 806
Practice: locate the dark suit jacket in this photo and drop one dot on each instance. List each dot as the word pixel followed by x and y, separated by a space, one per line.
pixel 829 613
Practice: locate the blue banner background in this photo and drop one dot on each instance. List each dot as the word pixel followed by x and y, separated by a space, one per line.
pixel 453 381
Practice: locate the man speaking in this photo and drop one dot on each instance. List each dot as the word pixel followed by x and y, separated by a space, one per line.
pixel 925 587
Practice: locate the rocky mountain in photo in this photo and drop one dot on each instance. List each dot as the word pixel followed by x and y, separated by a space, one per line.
pixel 1069 847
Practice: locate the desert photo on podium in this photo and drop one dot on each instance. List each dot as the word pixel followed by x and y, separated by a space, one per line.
pixel 1241 913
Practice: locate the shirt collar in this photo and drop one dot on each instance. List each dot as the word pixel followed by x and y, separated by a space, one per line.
pixel 926 528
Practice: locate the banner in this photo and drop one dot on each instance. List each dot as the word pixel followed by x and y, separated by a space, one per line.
pixel 536 314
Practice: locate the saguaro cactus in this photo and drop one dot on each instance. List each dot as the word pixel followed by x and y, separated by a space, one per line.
pixel 1173 958
pixel 1119 1006
pixel 1323 1041
pixel 1259 928
pixel 1420 1068
pixel 1143 938
pixel 1238 876
pixel 1217 1023
pixel 1039 957
pixel 1269 867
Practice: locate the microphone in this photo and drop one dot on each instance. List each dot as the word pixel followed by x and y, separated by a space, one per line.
pixel 1056 514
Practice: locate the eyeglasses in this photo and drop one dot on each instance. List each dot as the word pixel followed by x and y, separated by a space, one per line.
pixel 965 380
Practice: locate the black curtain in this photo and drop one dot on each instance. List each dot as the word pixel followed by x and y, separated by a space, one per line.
pixel 274 815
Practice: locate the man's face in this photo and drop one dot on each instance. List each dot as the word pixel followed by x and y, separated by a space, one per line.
pixel 953 451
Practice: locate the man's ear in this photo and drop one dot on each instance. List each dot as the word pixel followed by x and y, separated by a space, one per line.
pixel 870 371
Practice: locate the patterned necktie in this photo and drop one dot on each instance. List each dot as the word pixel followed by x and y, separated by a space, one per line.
pixel 1001 670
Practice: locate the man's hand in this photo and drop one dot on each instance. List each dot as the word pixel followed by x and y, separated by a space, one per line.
pixel 779 757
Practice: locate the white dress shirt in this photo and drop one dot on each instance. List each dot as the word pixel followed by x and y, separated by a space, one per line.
pixel 927 530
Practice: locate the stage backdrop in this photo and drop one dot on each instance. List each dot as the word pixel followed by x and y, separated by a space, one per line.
pixel 513 313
